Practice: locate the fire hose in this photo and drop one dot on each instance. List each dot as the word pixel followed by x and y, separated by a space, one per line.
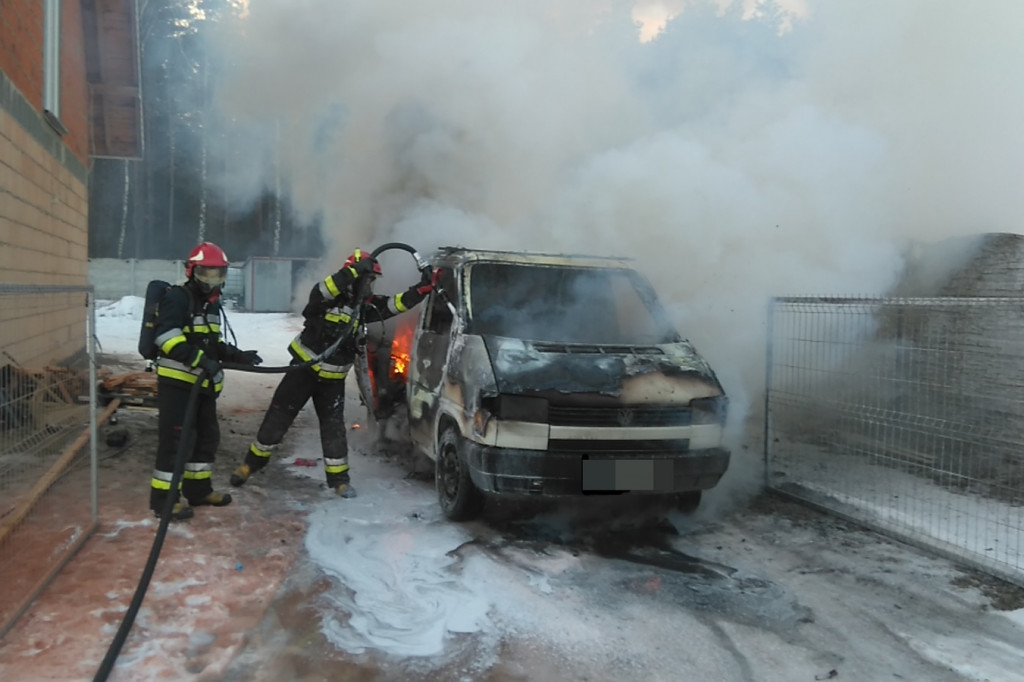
pixel 187 442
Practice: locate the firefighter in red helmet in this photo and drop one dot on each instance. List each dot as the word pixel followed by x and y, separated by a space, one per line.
pixel 188 336
pixel 328 316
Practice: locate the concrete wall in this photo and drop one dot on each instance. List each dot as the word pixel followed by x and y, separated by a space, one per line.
pixel 114 278
pixel 252 286
pixel 990 264
pixel 268 284
pixel 943 370
pixel 995 267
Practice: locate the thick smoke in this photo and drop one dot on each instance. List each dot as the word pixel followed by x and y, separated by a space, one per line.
pixel 746 149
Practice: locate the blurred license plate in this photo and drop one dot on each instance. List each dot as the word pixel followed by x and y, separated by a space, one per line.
pixel 626 474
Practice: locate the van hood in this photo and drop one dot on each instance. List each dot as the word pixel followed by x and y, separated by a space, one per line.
pixel 533 366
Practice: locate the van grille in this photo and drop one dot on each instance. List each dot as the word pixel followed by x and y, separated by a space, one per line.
pixel 583 348
pixel 640 415
pixel 619 448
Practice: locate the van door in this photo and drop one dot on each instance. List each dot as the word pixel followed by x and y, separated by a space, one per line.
pixel 429 359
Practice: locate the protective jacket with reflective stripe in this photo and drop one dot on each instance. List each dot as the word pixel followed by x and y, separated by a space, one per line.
pixel 329 314
pixel 185 332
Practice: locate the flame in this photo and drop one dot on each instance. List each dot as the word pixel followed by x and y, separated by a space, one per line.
pixel 401 344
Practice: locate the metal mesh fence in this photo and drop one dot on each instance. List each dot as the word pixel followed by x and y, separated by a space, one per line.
pixel 48 503
pixel 906 415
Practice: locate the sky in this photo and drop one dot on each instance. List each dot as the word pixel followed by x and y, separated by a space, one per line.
pixel 736 150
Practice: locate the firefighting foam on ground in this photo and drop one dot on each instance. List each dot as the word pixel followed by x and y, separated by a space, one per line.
pixel 292 582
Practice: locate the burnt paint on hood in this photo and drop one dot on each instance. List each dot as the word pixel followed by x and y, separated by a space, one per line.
pixel 523 366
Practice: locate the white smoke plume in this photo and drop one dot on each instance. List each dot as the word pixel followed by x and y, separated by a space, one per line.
pixel 737 150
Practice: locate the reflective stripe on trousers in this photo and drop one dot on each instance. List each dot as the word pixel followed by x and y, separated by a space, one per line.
pixel 323 369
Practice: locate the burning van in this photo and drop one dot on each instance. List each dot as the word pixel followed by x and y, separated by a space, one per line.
pixel 538 374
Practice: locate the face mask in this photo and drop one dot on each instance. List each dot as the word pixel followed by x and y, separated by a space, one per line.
pixel 210 278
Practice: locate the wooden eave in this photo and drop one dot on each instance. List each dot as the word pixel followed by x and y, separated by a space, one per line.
pixel 112 68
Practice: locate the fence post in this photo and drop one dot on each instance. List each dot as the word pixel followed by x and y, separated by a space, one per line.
pixel 767 392
pixel 90 325
pixel 43 375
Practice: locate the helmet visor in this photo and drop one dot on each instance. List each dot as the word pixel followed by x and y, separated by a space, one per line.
pixel 213 277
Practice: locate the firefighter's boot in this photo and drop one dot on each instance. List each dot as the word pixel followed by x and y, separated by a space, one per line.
pixel 214 499
pixel 241 475
pixel 345 490
pixel 179 512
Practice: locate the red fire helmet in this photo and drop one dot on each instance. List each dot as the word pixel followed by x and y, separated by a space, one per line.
pixel 207 264
pixel 359 255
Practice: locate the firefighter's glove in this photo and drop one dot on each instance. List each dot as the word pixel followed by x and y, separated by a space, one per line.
pixel 249 357
pixel 211 366
pixel 428 280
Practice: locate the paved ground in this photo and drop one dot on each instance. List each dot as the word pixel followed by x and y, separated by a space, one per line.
pixel 768 591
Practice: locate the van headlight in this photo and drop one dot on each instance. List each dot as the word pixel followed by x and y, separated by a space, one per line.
pixel 710 410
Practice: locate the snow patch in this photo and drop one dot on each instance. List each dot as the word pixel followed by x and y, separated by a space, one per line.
pixel 129 306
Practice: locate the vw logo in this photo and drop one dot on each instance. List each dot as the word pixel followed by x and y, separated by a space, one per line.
pixel 625 416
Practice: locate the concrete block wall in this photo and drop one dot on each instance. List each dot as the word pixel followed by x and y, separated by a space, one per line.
pixel 987 264
pixel 948 370
pixel 995 267
pixel 114 278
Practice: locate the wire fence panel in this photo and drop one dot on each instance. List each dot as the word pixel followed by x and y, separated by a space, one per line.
pixel 48 485
pixel 906 415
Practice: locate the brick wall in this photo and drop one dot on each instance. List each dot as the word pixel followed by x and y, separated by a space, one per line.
pixel 43 214
pixel 21 59
pixel 43 240
pixel 41 329
pixel 43 185
pixel 74 88
pixel 21 41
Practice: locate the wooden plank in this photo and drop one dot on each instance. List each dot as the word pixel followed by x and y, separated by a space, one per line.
pixel 62 377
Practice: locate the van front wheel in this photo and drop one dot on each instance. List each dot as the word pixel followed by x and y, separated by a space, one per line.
pixel 459 498
pixel 687 502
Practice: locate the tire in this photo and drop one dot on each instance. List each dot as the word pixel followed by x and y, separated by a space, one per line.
pixel 687 503
pixel 459 498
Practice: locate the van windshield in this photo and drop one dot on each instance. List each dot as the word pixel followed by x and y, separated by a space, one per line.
pixel 563 304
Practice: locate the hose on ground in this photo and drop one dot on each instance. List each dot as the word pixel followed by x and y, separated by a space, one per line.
pixel 185 446
pixel 188 434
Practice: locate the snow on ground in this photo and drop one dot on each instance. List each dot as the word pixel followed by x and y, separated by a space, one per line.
pixel 980 528
pixel 413 587
pixel 118 323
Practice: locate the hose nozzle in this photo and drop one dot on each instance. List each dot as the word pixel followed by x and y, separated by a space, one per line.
pixel 421 262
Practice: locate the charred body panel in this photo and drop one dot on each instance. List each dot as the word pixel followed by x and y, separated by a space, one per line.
pixel 560 376
pixel 523 366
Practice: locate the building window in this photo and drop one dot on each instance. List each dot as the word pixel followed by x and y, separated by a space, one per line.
pixel 51 64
